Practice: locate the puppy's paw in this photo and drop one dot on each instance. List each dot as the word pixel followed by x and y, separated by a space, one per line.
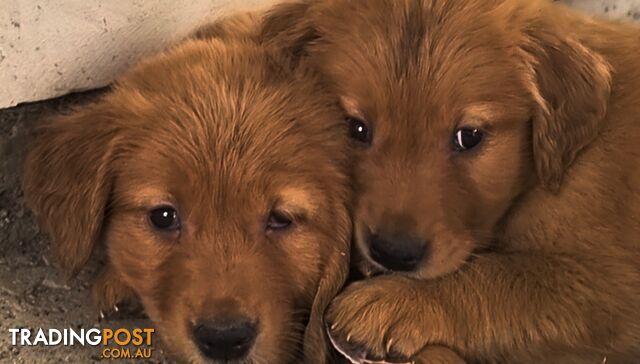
pixel 109 292
pixel 384 319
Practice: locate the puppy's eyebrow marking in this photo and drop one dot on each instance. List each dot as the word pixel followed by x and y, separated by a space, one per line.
pixel 146 197
pixel 351 107
pixel 490 114
pixel 297 200
pixel 484 111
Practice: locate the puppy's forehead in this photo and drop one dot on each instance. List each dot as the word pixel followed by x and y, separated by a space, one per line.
pixel 428 59
pixel 226 119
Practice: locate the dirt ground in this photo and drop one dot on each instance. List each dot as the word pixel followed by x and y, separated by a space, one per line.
pixel 32 293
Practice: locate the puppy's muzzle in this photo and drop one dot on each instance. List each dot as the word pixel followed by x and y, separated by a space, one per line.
pixel 224 340
pixel 397 252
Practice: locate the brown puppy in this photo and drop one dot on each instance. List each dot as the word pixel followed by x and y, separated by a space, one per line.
pixel 215 174
pixel 498 144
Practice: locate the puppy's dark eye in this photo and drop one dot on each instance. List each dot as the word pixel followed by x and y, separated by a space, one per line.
pixel 278 221
pixel 466 138
pixel 358 130
pixel 164 218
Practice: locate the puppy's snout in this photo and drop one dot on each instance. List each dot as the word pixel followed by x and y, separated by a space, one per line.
pixel 226 339
pixel 397 252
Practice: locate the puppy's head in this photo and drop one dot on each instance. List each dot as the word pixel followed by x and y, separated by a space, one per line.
pixel 455 107
pixel 216 178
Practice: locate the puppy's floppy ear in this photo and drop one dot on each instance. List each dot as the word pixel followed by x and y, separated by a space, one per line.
pixel 67 181
pixel 288 27
pixel 571 85
pixel 336 270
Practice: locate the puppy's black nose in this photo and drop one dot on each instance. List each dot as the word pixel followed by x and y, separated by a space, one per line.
pixel 397 252
pixel 225 340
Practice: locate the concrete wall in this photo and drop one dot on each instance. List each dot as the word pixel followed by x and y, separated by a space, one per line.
pixel 52 47
pixel 613 9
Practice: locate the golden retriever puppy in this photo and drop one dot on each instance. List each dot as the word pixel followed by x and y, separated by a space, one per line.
pixel 215 174
pixel 498 176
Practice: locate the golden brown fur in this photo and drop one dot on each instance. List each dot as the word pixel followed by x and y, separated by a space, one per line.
pixel 226 132
pixel 239 25
pixel 535 235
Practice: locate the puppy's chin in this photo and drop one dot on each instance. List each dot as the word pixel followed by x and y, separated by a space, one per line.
pixel 427 270
pixel 437 267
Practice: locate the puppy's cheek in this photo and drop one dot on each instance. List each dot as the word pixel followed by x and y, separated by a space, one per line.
pixel 173 315
pixel 278 330
pixel 138 259
pixel 305 259
pixel 135 254
pixel 500 175
pixel 175 337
